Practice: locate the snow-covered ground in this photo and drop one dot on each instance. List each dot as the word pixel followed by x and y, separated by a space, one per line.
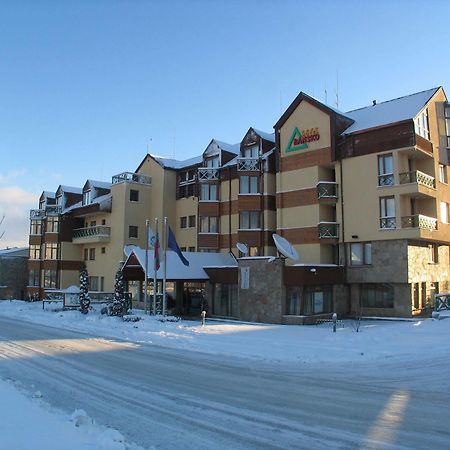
pixel 376 339
pixel 378 344
pixel 47 429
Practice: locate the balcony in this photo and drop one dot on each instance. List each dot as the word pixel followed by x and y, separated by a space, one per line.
pixel 37 214
pixel 327 190
pixel 133 177
pixel 248 164
pixel 208 173
pixel 50 210
pixel 91 235
pixel 416 176
pixel 419 221
pixel 328 230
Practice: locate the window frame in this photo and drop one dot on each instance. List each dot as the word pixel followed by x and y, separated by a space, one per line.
pixel 245 218
pixel 134 193
pixel 385 178
pixel 132 235
pixel 92 254
pixel 366 254
pixel 209 192
pixel 183 222
pixel 206 224
pixel 385 219
pixel 249 185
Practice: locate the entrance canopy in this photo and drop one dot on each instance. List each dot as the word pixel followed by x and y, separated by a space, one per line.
pixel 176 270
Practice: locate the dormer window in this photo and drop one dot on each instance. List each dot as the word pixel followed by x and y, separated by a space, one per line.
pixel 59 200
pixel 422 128
pixel 250 152
pixel 42 204
pixel 212 162
pixel 87 197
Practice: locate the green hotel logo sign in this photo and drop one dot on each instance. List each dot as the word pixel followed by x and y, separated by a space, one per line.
pixel 299 140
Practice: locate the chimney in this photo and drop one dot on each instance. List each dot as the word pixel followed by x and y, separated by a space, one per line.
pixel 374 102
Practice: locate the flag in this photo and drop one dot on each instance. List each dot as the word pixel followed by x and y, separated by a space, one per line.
pixel 156 250
pixel 172 244
pixel 151 238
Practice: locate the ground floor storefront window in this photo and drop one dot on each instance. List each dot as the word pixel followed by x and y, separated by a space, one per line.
pixel 309 300
pixel 225 300
pixel 377 295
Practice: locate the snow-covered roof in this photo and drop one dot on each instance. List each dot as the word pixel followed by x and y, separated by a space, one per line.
pixel 98 184
pixel 102 199
pixel 48 194
pixel 232 148
pixel 14 252
pixel 176 270
pixel 391 111
pixel 267 136
pixel 232 162
pixel 170 163
pixel 70 189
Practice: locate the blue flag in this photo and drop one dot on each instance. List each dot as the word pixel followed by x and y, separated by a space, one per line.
pixel 172 244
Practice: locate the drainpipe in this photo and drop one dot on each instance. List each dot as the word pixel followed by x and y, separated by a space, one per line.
pixel 229 210
pixel 262 193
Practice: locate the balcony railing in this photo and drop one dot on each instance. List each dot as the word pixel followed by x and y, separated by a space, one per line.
pixel 416 176
pixel 327 189
pixel 248 164
pixel 388 223
pixel 328 230
pixel 53 210
pixel 130 176
pixel 419 221
pixel 97 231
pixel 37 214
pixel 208 173
pixel 386 179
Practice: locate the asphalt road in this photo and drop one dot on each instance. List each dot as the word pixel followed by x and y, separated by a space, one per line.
pixel 173 399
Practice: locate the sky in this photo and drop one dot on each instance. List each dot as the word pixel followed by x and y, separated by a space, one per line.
pixel 88 87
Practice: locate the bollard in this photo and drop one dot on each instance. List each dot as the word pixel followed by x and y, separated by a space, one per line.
pixel 435 315
pixel 203 318
pixel 334 317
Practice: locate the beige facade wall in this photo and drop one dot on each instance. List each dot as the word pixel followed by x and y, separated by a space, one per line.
pixel 185 207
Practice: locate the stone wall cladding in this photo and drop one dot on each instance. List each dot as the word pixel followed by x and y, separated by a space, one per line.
pixel 14 276
pixel 420 269
pixel 265 299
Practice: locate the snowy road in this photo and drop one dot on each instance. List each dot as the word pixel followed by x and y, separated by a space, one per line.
pixel 170 398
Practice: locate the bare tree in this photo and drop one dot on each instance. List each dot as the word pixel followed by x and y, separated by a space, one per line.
pixel 1 223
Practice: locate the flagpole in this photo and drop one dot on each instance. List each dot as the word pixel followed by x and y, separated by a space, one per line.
pixel 146 267
pixel 155 279
pixel 166 234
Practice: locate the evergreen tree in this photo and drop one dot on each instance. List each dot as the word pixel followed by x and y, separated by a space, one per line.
pixel 85 301
pixel 118 307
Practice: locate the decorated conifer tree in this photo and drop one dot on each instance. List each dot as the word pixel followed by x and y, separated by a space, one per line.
pixel 118 307
pixel 85 301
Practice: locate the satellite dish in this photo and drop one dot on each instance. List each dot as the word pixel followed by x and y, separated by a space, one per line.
pixel 242 248
pixel 285 247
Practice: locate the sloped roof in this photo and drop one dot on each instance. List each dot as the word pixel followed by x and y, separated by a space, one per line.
pixel 267 136
pixel 97 184
pixel 101 200
pixel 70 189
pixel 170 163
pixel 14 252
pixel 391 111
pixel 176 270
pixel 48 194
pixel 232 148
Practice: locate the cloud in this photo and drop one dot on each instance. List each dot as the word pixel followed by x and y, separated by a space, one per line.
pixel 6 178
pixel 15 204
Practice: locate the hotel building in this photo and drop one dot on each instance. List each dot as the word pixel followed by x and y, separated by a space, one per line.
pixel 362 196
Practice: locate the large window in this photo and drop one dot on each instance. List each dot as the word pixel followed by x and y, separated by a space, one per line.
pixel 52 225
pixel 209 224
pixel 35 251
pixel 33 277
pixel 318 300
pixel 385 170
pixel 250 152
pixel 50 279
pixel 208 192
pixel 248 184
pixel 92 254
pixel 377 295
pixel 93 283
pixel 294 297
pixel 212 162
pixel 444 212
pixel 51 251
pixel 225 300
pixel 87 199
pixel 249 220
pixel 422 128
pixel 447 123
pixel 360 253
pixel 36 227
pixel 387 212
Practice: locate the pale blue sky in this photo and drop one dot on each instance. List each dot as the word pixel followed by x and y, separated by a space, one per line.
pixel 86 86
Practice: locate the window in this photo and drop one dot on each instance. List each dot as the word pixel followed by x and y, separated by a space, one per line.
pixel 92 254
pixel 225 300
pixel 183 222
pixel 208 192
pixel 52 225
pixel 191 221
pixel 36 227
pixel 293 294
pixel 212 162
pixel 50 279
pixel 102 283
pixel 444 212
pixel 254 251
pixel 191 249
pixel 421 125
pixel 318 300
pixel 133 231
pixel 360 253
pixel 248 184
pixel 86 254
pixel 443 173
pixel 33 277
pixel 250 152
pixel 42 204
pixel 183 249
pixel 93 223
pixel 387 212
pixel 249 220
pixel 447 122
pixel 103 250
pixel 51 251
pixel 134 195
pixel 208 224
pixel 385 170
pixel 35 251
pixel 433 252
pixel 377 295
pixel 59 200
pixel 93 283
pixel 103 221
pixel 86 198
